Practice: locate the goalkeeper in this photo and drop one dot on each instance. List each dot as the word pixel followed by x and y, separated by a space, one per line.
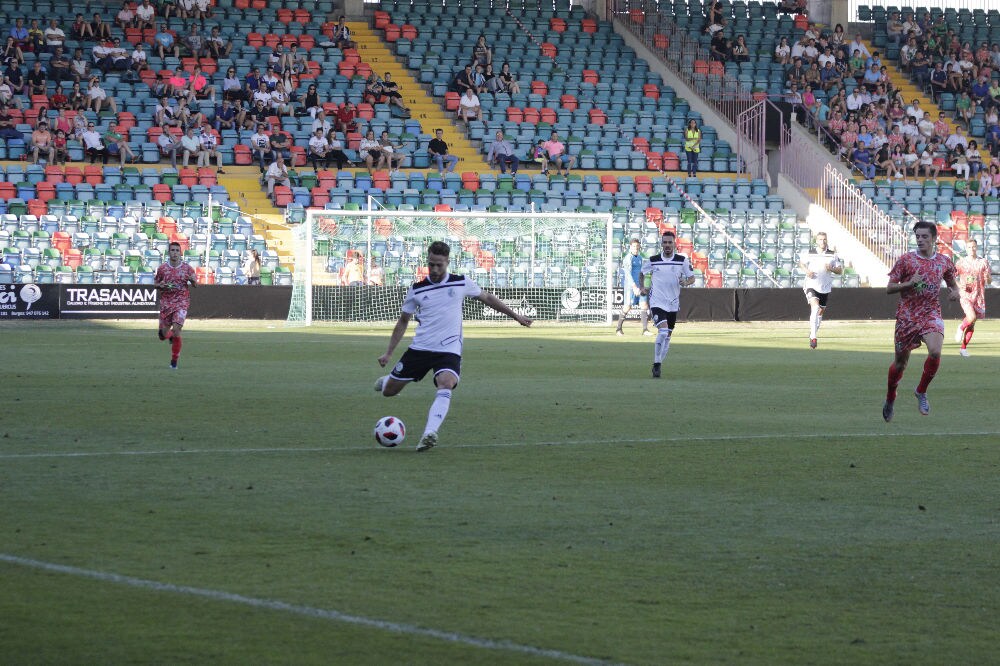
pixel 632 288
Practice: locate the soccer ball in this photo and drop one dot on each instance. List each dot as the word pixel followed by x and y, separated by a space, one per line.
pixel 389 431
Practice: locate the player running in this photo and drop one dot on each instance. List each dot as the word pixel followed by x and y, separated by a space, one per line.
pixel 632 289
pixel 820 267
pixel 437 344
pixel 973 276
pixel 670 271
pixel 172 280
pixel 916 277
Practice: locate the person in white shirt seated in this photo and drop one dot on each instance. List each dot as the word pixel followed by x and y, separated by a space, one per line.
pixel 277 174
pixel 469 108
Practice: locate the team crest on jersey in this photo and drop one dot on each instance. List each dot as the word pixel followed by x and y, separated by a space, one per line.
pixel 451 293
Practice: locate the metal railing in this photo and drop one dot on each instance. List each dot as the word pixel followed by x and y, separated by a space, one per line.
pixel 859 215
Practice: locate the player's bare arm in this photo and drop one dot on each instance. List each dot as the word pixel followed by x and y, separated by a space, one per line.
pixel 836 267
pixel 643 290
pixel 896 287
pixel 953 292
pixel 498 305
pixel 687 282
pixel 398 331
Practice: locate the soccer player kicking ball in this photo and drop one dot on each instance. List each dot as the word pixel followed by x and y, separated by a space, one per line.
pixel 916 277
pixel 973 275
pixel 437 344
pixel 172 279
pixel 820 267
pixel 669 272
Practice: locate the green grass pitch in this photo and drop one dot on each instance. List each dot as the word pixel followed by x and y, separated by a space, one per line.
pixel 750 507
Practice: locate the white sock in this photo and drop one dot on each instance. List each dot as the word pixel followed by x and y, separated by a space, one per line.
pixel 819 320
pixel 439 410
pixel 662 345
pixel 813 321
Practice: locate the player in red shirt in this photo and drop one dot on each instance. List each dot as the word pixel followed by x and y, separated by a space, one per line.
pixel 172 279
pixel 973 276
pixel 916 277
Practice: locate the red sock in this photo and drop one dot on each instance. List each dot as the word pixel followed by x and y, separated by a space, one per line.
pixel 969 330
pixel 894 377
pixel 930 369
pixel 175 348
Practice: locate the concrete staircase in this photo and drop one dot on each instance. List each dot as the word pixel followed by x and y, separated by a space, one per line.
pixel 243 185
pixel 910 92
pixel 431 115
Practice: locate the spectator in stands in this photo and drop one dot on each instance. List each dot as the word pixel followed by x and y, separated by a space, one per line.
pixel 251 267
pixel 469 107
pixel 225 117
pixel 482 53
pixel 925 128
pixel 718 49
pixel 217 46
pixel 36 79
pixel 166 44
pixel 336 152
pixel 463 81
pixel 260 144
pixel 12 52
pixel 957 138
pixel 80 29
pixel 99 98
pixel 856 65
pixel 60 150
pixel 77 98
pixel 509 80
pixel 391 94
pixel 438 151
pixel 992 121
pixel 167 145
pixel 54 36
pixel 353 273
pixel 194 42
pixel 145 15
pixel 814 80
pixel 277 174
pixel 920 69
pixel 796 73
pixel 203 9
pixel 165 114
pixel 93 146
pixel 116 58
pixel 713 29
pixel 964 110
pixel 125 18
pixel 36 37
pixel 185 8
pixel 319 149
pixel 281 144
pixel 259 112
pixel 859 45
pixel 894 28
pixel 493 83
pixel 373 89
pixel 914 111
pixel 371 153
pixel 911 28
pixel 79 66
pixel 974 159
pixel 960 163
pixel 395 156
pixel 311 105
pixel 117 144
pixel 478 79
pixel 986 187
pixel 556 155
pixel 100 29
pixel 895 163
pixel 911 159
pixel 19 34
pixel 322 123
pixel 502 153
pixel 58 101
pixel 342 35
pixel 178 85
pixel 782 52
pixel 872 77
pixel 41 143
pixel 281 104
pixel 232 88
pixel 191 145
pixel 209 149
pixel 829 76
pixel 861 158
pixel 14 77
pixel 927 163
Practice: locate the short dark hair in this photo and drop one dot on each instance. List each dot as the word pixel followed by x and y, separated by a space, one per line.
pixel 924 224
pixel 174 243
pixel 439 248
pixel 668 232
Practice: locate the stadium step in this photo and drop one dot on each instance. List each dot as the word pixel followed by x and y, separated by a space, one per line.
pixel 431 115
pixel 243 185
pixel 910 92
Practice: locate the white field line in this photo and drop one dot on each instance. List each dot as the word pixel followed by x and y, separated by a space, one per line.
pixel 307 611
pixel 569 442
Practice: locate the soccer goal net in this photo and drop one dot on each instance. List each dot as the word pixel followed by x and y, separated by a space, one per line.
pixel 355 266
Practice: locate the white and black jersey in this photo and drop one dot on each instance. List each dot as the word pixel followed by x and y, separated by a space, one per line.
pixel 666 275
pixel 818 262
pixel 438 306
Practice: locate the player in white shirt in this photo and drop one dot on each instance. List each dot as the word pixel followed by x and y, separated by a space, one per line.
pixel 668 272
pixel 437 344
pixel 820 267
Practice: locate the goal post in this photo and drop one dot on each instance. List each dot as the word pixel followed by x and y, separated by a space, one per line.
pixel 355 266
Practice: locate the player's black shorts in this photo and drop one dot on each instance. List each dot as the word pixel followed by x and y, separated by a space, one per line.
pixel 415 363
pixel 812 293
pixel 661 315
